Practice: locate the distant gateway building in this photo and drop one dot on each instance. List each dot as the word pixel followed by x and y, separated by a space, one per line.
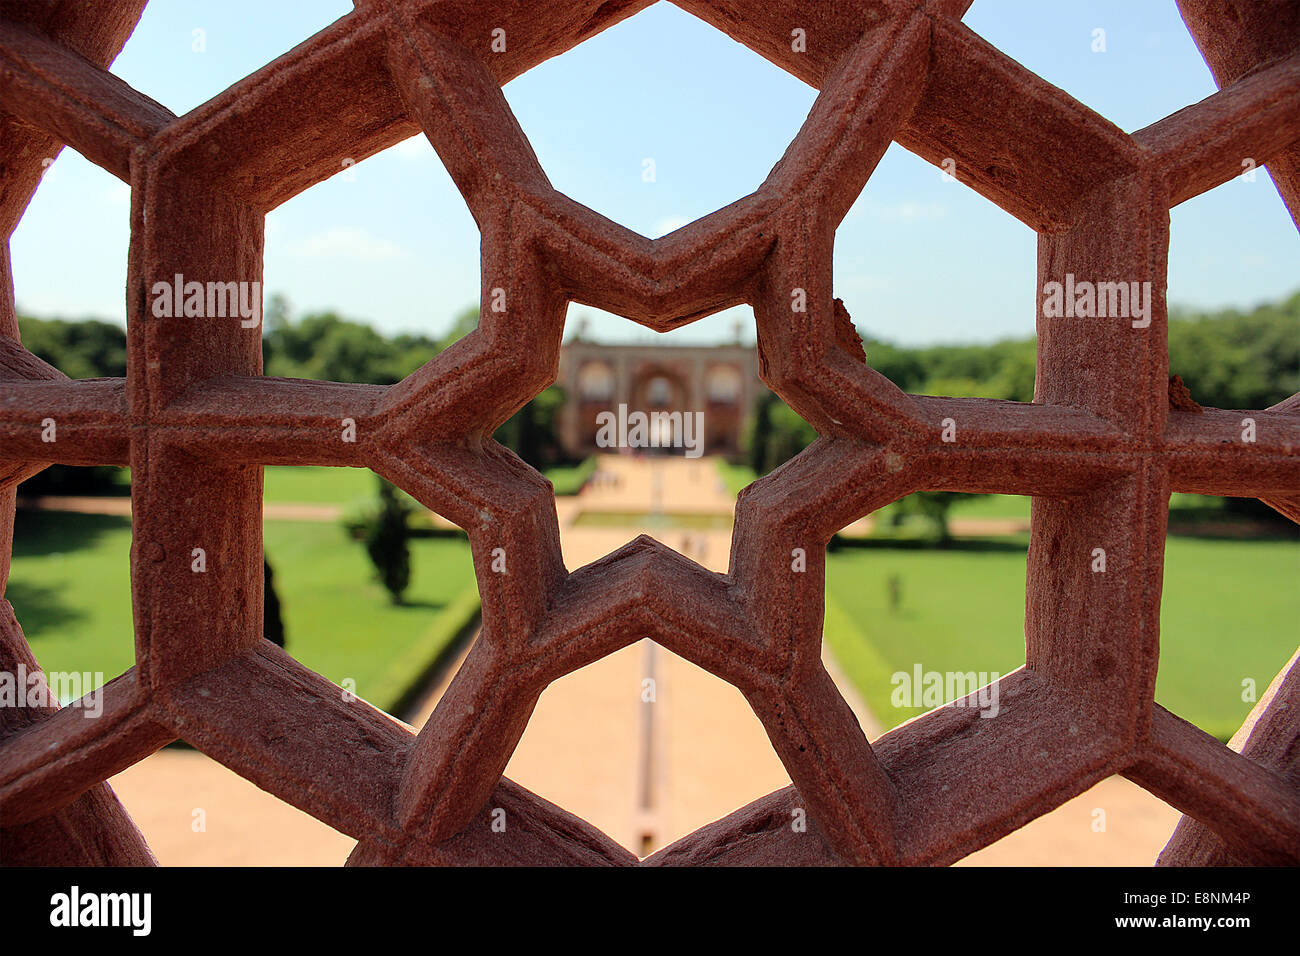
pixel 721 381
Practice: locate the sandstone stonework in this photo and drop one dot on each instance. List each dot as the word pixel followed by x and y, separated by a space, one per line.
pixel 1100 449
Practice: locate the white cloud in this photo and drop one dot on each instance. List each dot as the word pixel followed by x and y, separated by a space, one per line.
pixel 416 147
pixel 347 242
pixel 670 224
pixel 118 194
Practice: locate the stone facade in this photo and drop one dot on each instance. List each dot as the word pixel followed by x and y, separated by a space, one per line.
pixel 720 381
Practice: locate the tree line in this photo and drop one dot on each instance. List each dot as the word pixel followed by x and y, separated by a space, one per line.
pixel 1228 359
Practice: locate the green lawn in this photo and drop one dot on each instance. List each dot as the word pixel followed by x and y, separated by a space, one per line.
pixel 979 506
pixel 340 622
pixel 668 520
pixel 348 486
pixel 71 591
pixel 1231 611
pixel 70 587
pixel 991 506
pixel 735 477
pixel 309 484
pixel 959 610
pixel 569 479
pixel 304 484
pixel 1017 506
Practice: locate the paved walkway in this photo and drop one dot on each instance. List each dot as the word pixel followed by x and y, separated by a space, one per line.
pixel 288 511
pixel 645 774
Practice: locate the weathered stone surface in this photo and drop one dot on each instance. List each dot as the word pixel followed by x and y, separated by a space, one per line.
pixel 1101 448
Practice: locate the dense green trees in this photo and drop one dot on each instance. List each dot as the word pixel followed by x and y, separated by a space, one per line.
pixel 83 348
pixel 321 345
pixel 388 536
pixel 1234 359
pixel 86 348
pixel 776 434
pixel 272 616
pixel 328 347
pixel 1229 359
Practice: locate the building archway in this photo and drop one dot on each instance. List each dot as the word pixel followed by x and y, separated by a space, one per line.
pixel 659 389
pixel 656 388
pixel 596 382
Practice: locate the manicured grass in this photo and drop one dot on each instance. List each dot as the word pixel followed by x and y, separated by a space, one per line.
pixel 735 477
pixel 685 520
pixel 959 610
pixel 569 479
pixel 1017 506
pixel 300 484
pixel 71 592
pixel 313 485
pixel 1230 611
pixel 70 587
pixel 339 620
pixel 991 506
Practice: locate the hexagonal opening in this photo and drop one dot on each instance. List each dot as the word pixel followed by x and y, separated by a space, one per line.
pixel 339 617
pixel 697 390
pixel 637 147
pixel 69 579
pixel 182 55
pixel 1228 608
pixel 80 214
pixel 361 243
pixel 70 587
pixel 913 624
pixel 1133 64
pixel 647 747
pixel 194 811
pixel 650 430
pixel 923 260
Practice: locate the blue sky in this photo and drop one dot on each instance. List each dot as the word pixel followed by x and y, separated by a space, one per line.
pixel 917 260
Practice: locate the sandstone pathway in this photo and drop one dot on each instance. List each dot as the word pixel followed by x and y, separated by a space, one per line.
pixel 646 774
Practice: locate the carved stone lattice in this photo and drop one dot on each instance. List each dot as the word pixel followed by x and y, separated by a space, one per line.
pixel 1100 449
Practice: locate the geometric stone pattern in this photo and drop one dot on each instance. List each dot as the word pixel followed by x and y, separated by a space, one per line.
pixel 1100 449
